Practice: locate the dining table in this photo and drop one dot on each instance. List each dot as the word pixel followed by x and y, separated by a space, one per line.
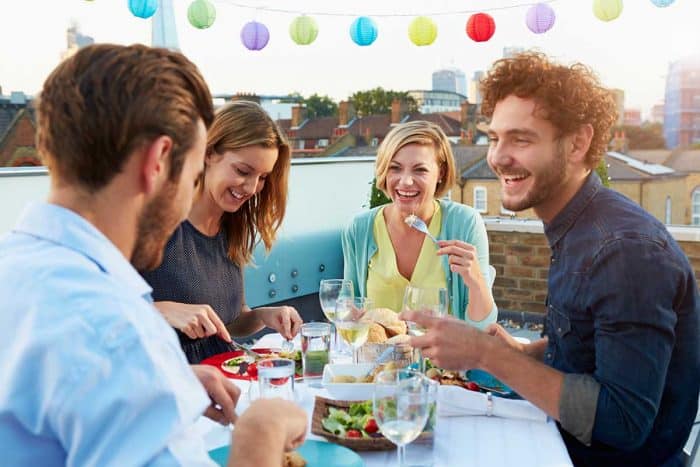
pixel 468 440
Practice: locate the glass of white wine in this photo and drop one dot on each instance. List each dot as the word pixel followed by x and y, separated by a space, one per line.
pixel 401 406
pixel 432 301
pixel 329 290
pixel 351 322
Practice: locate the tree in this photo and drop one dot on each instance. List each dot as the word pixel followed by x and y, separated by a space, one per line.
pixel 602 170
pixel 644 137
pixel 378 101
pixel 320 106
pixel 376 196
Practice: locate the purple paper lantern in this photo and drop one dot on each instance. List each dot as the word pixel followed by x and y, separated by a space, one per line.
pixel 255 36
pixel 540 18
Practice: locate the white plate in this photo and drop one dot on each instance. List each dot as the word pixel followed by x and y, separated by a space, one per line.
pixel 348 391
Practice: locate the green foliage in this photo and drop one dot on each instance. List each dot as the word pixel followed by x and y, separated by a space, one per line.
pixel 602 170
pixel 376 196
pixel 648 136
pixel 320 106
pixel 378 101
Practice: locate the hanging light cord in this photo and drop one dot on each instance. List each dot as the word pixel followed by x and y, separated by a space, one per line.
pixel 379 15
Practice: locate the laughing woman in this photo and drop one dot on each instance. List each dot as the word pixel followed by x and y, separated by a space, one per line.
pixel 415 168
pixel 242 194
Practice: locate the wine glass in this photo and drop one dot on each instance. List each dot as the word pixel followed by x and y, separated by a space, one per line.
pixel 352 323
pixel 329 290
pixel 432 301
pixel 401 406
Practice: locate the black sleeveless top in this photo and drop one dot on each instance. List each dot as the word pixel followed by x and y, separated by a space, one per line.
pixel 196 269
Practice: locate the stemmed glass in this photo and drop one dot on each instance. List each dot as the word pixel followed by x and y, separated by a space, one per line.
pixel 329 290
pixel 401 406
pixel 430 300
pixel 352 323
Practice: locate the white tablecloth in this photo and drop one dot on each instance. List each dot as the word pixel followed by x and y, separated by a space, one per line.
pixel 468 441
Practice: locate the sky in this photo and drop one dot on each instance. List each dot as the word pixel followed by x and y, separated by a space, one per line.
pixel 631 53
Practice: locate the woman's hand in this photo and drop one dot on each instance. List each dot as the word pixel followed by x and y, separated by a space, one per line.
pixel 463 259
pixel 196 321
pixel 283 319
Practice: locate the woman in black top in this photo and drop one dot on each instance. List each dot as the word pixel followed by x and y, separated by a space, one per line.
pixel 242 195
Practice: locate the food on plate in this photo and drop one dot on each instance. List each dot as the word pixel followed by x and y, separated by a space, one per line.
pixel 386 324
pixel 355 422
pixel 364 379
pixel 455 378
pixel 293 459
pixel 246 366
pixel 410 219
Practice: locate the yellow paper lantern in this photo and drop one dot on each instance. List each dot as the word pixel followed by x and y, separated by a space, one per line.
pixel 422 31
pixel 607 10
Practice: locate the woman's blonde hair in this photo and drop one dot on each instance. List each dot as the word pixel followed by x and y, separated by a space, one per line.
pixel 417 132
pixel 237 125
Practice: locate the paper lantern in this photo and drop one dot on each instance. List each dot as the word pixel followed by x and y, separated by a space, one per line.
pixel 607 10
pixel 363 31
pixel 201 14
pixel 303 30
pixel 422 31
pixel 480 27
pixel 662 3
pixel 143 8
pixel 255 36
pixel 540 18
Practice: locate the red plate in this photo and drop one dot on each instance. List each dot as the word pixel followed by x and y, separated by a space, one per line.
pixel 218 360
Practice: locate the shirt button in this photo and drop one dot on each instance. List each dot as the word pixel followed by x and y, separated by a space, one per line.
pixel 549 355
pixel 558 329
pixel 553 259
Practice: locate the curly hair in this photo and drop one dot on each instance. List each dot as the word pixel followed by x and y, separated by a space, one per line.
pixel 566 96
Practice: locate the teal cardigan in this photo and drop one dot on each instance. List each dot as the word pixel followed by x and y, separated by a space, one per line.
pixel 459 222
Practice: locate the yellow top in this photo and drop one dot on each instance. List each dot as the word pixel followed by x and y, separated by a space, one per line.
pixel 385 284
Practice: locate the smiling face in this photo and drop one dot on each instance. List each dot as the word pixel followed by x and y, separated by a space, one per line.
pixel 412 179
pixel 528 158
pixel 235 176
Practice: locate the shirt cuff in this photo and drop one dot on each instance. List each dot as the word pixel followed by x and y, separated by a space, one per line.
pixel 577 406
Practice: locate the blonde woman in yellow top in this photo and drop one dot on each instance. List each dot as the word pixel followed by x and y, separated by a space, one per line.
pixel 415 168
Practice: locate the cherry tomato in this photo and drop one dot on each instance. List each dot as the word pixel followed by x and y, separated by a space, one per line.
pixel 253 370
pixel 472 386
pixel 371 426
pixel 354 434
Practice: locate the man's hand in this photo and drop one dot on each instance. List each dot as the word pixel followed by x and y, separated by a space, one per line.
pixel 196 321
pixel 448 342
pixel 283 319
pixel 497 330
pixel 264 431
pixel 222 392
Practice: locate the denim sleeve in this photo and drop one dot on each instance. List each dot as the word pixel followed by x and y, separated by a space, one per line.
pixel 631 290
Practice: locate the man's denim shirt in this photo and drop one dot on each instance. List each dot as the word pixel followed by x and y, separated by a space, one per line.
pixel 623 323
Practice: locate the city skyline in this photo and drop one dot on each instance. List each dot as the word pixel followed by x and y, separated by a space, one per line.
pixel 631 53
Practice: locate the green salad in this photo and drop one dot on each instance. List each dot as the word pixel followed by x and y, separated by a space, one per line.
pixel 356 422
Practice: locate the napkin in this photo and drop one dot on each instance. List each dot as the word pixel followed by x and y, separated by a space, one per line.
pixel 454 401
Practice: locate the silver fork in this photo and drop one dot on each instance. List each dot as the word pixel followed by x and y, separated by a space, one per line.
pixel 419 224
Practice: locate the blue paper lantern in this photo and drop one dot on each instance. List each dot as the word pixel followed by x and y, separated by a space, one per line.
pixel 662 3
pixel 255 36
pixel 363 31
pixel 143 8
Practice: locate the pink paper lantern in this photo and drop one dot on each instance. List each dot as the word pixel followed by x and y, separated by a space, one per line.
pixel 255 36
pixel 540 18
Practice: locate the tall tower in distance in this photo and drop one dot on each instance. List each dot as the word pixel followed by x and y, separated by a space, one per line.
pixel 75 40
pixel 682 103
pixel 163 30
pixel 450 79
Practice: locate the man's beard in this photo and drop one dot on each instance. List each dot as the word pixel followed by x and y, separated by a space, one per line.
pixel 547 182
pixel 155 226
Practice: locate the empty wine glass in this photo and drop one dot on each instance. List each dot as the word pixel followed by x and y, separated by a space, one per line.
pixel 432 301
pixel 400 406
pixel 352 323
pixel 329 290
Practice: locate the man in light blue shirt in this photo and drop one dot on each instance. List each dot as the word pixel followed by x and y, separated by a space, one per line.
pixel 91 373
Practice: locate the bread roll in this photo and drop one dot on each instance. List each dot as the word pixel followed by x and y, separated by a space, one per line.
pixel 389 319
pixel 377 334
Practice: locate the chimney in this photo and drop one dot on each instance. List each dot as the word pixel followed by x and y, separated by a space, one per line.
pixel 398 109
pixel 244 96
pixel 464 114
pixel 346 112
pixel 298 115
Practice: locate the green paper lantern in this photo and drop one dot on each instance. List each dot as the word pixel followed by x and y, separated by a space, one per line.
pixel 607 10
pixel 201 14
pixel 422 31
pixel 303 30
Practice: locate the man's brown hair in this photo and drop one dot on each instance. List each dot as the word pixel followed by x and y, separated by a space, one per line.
pixel 568 97
pixel 99 105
